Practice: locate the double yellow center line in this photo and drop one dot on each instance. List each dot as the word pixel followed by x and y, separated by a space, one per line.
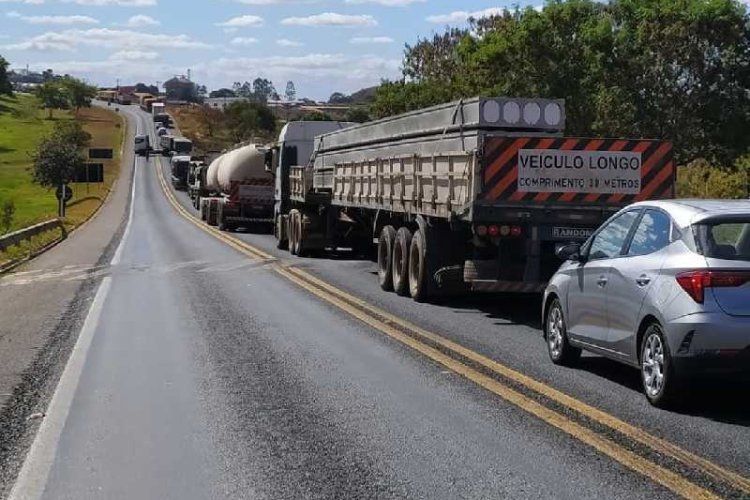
pixel 498 378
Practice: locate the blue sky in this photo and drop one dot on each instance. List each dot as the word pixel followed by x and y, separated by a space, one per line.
pixel 321 45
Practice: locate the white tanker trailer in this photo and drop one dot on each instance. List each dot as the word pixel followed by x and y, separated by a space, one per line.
pixel 242 191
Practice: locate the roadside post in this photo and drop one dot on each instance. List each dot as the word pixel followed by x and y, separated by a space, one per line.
pixel 63 194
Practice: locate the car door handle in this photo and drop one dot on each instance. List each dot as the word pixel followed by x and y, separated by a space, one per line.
pixel 602 281
pixel 642 280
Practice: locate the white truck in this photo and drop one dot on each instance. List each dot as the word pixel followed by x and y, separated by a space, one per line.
pixel 240 190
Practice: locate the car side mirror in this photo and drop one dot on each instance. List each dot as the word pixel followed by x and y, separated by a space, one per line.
pixel 571 251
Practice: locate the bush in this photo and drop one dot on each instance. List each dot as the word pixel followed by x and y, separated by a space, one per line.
pixel 699 179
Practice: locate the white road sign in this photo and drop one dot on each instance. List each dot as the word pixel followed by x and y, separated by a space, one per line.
pixel 556 171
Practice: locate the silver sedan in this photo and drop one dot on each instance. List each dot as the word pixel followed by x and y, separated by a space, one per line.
pixel 663 286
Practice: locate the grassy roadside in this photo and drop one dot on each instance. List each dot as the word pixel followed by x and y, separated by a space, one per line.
pixel 22 126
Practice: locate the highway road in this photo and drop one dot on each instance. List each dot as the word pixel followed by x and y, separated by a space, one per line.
pixel 211 365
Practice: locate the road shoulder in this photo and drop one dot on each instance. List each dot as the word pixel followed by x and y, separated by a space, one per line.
pixel 42 306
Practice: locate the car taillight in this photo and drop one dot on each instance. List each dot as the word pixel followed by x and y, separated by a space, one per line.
pixel 493 230
pixel 695 282
pixel 515 231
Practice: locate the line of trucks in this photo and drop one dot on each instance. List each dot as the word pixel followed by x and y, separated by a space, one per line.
pixel 475 195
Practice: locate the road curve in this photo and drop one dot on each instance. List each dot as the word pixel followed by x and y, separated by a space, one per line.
pixel 204 373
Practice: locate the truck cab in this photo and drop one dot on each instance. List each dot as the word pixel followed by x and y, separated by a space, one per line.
pixel 181 146
pixel 295 146
pixel 179 166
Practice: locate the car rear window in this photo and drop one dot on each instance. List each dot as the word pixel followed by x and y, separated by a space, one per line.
pixel 729 240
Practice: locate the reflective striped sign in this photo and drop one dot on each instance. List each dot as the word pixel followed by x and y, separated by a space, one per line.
pixel 576 170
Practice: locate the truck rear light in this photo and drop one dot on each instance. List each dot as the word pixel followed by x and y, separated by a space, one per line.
pixel 515 231
pixel 504 230
pixel 493 230
pixel 696 282
pixel 481 230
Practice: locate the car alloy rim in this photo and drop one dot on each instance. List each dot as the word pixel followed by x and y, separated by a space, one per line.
pixel 653 364
pixel 555 330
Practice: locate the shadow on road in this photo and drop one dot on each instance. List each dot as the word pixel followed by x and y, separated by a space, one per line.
pixel 723 400
pixel 503 309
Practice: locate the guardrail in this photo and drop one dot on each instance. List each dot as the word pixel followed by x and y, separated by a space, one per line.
pixel 17 237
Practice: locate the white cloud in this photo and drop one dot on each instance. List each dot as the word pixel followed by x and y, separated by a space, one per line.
pixel 134 55
pixel 360 69
pixel 30 2
pixel 120 3
pixel 285 42
pixel 331 19
pixel 70 40
pixel 461 16
pixel 243 22
pixel 371 39
pixel 387 3
pixel 62 20
pixel 274 2
pixel 240 40
pixel 141 21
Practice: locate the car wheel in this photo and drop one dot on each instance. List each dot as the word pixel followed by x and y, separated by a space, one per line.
pixel 556 332
pixel 660 384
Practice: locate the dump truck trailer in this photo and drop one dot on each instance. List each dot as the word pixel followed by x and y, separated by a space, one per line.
pixel 477 194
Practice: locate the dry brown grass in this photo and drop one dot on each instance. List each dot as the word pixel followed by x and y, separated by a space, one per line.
pixel 191 120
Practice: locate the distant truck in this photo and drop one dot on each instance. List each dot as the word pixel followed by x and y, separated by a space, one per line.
pixel 179 167
pixel 472 195
pixel 239 190
pixel 157 108
pixel 162 120
pixel 142 145
pixel 196 182
pixel 171 145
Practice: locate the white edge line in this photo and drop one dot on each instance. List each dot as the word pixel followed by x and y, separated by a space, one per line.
pixel 32 480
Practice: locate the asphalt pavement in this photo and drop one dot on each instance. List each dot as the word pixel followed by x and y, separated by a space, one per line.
pixel 201 372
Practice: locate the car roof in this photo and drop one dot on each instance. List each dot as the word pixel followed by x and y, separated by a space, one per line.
pixel 689 211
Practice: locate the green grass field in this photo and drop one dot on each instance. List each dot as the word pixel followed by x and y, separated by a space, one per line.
pixel 22 126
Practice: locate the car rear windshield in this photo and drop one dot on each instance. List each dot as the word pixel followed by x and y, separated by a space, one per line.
pixel 729 240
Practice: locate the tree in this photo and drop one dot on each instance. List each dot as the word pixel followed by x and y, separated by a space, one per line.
pixel 291 91
pixel 78 92
pixel 71 132
pixel 223 92
pixel 5 86
pixel 212 119
pixel 338 98
pixel 142 88
pixel 263 90
pixel 56 161
pixel 52 95
pixel 665 69
pixel 246 119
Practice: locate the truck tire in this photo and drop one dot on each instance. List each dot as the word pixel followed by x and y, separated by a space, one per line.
pixel 385 257
pixel 280 233
pixel 293 235
pixel 400 264
pixel 419 271
pixel 300 228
